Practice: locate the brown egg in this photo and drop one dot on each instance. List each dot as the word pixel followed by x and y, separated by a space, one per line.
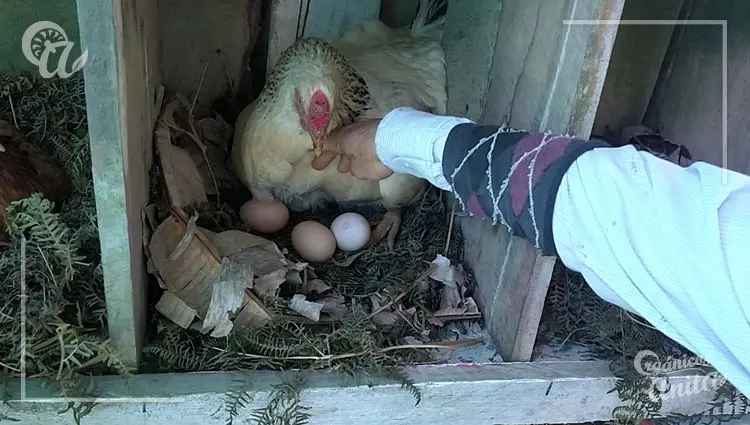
pixel 313 241
pixel 264 216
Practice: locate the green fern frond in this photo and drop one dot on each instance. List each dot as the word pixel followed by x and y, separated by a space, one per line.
pixel 237 398
pixel 407 383
pixel 284 406
pixel 34 219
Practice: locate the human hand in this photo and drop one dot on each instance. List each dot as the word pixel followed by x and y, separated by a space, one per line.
pixel 355 145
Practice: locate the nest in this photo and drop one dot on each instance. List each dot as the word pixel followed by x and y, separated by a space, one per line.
pixel 382 308
pixel 53 248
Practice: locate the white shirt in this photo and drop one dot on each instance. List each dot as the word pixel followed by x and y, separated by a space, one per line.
pixel 668 243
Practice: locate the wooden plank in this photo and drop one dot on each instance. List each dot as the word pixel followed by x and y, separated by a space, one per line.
pixel 329 19
pixel 539 74
pixel 507 393
pixel 691 103
pixel 636 62
pixel 121 81
pixel 197 34
pixel 398 13
pixel 283 21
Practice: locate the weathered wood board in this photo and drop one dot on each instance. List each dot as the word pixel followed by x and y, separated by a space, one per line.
pixel 505 393
pixel 517 62
pixel 217 35
pixel 122 78
pixel 283 23
pixel 326 19
pixel 636 62
pixel 702 95
pixel 329 19
pixel 398 13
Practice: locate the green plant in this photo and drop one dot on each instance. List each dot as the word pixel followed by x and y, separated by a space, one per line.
pixel 54 251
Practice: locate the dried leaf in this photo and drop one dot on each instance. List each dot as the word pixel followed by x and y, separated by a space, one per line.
pixel 443 271
pixel 386 317
pixel 314 285
pixel 293 277
pixel 450 311
pixel 269 283
pixel 150 211
pixel 410 340
pixel 308 309
pixel 185 186
pixel 471 305
pixel 435 321
pixel 215 134
pixel 215 131
pixel 466 310
pixel 231 241
pixel 334 306
pixel 452 280
pixel 348 262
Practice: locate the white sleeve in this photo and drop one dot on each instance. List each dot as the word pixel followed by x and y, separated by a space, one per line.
pixel 411 142
pixel 670 244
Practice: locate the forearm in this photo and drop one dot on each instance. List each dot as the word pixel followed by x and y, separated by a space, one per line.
pixel 509 176
pixel 662 241
pixel 665 242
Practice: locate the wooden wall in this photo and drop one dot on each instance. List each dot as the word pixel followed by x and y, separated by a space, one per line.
pixel 517 62
pixel 122 78
pixel 687 102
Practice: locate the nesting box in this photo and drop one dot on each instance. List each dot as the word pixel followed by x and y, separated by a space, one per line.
pixel 519 62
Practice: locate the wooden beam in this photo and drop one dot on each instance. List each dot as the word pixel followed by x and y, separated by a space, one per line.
pixel 507 393
pixel 530 70
pixel 122 78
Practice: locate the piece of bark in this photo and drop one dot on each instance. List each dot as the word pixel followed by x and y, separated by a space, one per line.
pixel 193 275
pixel 308 309
pixel 174 309
pixel 26 169
pixel 228 294
pixel 270 267
pixel 185 186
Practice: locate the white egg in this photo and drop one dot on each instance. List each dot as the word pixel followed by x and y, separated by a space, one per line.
pixel 352 231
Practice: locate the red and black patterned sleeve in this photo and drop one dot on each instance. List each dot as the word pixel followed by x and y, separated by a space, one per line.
pixel 511 176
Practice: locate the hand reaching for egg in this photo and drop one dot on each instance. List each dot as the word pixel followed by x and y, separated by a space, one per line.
pixel 313 241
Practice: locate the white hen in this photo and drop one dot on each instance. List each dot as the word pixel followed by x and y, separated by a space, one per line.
pixel 316 87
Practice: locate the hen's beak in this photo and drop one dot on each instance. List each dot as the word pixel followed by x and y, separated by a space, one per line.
pixel 318 143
